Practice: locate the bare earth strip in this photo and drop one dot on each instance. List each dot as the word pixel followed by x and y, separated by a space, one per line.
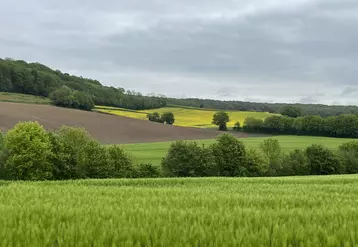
pixel 107 129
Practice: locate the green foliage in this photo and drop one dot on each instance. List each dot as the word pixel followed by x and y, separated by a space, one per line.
pixel 120 163
pixel 29 150
pixel 220 119
pixel 154 117
pixel 348 153
pixel 147 170
pixel 82 101
pixel 291 111
pixel 188 159
pixel 66 97
pixel 256 164
pixel 253 125
pixel 271 150
pixel 295 163
pixel 322 161
pixel 237 127
pixel 168 118
pixel 229 156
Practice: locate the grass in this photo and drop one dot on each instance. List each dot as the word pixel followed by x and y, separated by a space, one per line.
pixel 153 152
pixel 300 211
pixel 186 116
pixel 23 98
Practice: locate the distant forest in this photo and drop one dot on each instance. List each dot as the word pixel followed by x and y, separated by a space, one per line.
pixel 34 78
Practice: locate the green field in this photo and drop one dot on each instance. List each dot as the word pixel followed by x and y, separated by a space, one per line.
pixel 153 152
pixel 23 98
pixel 185 116
pixel 301 211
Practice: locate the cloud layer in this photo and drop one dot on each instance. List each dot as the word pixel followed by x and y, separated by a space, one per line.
pixel 274 51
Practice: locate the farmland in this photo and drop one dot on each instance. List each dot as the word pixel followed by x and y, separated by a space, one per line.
pixel 185 116
pixel 23 98
pixel 153 152
pixel 309 211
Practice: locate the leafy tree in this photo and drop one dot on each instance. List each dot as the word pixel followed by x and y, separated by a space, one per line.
pixel 62 97
pixel 148 171
pixel 237 127
pixel 221 119
pixel 253 125
pixel 168 118
pixel 188 159
pixel 229 155
pixel 348 153
pixel 82 101
pixel 295 163
pixel 322 161
pixel 154 117
pixel 272 152
pixel 120 163
pixel 292 111
pixel 255 163
pixel 29 152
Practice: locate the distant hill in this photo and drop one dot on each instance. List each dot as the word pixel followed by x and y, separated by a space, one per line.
pixel 17 76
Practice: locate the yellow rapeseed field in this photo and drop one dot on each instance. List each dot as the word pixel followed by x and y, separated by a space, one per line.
pixel 187 117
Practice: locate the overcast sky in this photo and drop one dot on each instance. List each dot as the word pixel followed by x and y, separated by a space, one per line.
pixel 255 50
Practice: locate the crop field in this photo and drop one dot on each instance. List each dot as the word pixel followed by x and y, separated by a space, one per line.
pixel 23 98
pixel 186 117
pixel 153 152
pixel 296 211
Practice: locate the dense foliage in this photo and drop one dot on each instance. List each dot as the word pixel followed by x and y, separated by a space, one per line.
pixel 165 117
pixel 66 97
pixel 37 79
pixel 345 125
pixel 307 109
pixel 221 119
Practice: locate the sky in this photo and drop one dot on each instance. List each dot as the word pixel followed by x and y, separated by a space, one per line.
pixel 302 51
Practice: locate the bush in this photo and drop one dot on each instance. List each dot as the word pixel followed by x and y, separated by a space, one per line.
pixel 295 163
pixel 3 156
pixel 348 153
pixel 29 149
pixel 253 125
pixel 154 117
pixel 148 171
pixel 168 118
pixel 322 161
pixel 82 101
pixel 255 163
pixel 271 150
pixel 229 155
pixel 62 97
pixel 292 111
pixel 221 119
pixel 120 163
pixel 188 159
pixel 237 127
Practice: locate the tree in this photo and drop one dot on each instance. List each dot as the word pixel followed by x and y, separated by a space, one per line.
pixel 253 125
pixel 221 119
pixel 237 127
pixel 29 152
pixel 272 151
pixel 154 117
pixel 82 101
pixel 229 155
pixel 322 161
pixel 292 111
pixel 62 97
pixel 168 118
pixel 188 159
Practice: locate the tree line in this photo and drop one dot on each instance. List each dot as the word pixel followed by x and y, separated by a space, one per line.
pixel 29 152
pixel 18 76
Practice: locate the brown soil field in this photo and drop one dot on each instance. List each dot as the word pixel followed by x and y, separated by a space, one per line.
pixel 107 129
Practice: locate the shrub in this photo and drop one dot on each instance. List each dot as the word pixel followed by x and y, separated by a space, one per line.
pixel 29 149
pixel 237 127
pixel 295 163
pixel 147 171
pixel 253 125
pixel 255 163
pixel 154 117
pixel 62 97
pixel 82 101
pixel 188 159
pixel 168 118
pixel 120 163
pixel 221 119
pixel 322 161
pixel 271 150
pixel 348 153
pixel 229 155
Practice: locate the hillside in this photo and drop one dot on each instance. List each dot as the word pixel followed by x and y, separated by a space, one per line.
pixel 186 117
pixel 105 128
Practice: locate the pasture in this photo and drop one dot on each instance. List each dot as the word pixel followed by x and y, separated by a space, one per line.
pixel 23 98
pixel 296 211
pixel 186 116
pixel 153 152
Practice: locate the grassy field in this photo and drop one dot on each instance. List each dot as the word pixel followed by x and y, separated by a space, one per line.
pixel 301 211
pixel 185 116
pixel 23 98
pixel 153 152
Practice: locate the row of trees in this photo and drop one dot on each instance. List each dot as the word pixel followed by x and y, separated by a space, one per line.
pixel 228 157
pixel 345 125
pixel 34 78
pixel 307 109
pixel 165 117
pixel 29 152
pixel 66 97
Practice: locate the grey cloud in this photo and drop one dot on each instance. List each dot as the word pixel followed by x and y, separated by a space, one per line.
pixel 226 49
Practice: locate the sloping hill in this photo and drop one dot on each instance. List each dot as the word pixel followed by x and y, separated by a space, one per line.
pixel 105 128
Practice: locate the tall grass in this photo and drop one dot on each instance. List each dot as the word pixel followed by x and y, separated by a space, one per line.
pixel 301 211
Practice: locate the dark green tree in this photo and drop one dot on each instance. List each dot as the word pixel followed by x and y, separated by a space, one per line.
pixel 291 111
pixel 168 118
pixel 220 119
